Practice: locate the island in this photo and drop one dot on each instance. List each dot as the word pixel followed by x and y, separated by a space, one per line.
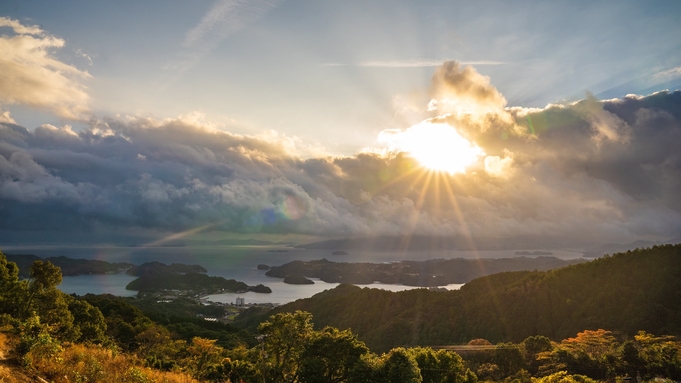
pixel 192 283
pixel 263 267
pixel 153 268
pixel 260 289
pixel 339 252
pixel 297 280
pixel 434 272
pixel 190 280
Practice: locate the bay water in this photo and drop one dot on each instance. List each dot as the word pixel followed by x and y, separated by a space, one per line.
pixel 237 262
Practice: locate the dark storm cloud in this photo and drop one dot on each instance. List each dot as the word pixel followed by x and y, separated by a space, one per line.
pixel 593 169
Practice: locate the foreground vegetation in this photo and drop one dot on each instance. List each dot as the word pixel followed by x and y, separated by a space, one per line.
pixel 107 339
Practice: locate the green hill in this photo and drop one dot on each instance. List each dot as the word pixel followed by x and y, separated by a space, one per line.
pixel 625 292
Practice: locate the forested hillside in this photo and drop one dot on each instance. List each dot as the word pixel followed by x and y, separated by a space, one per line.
pixel 625 292
pixel 45 333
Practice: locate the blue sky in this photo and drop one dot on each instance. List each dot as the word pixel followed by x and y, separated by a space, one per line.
pixel 320 119
pixel 270 64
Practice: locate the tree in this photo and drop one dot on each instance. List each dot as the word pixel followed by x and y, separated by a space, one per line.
pixel 205 357
pixel 88 320
pixel 158 348
pixel 11 289
pixel 330 355
pixel 42 298
pixel 399 366
pixel 533 346
pixel 285 336
pixel 509 359
pixel 591 353
pixel 438 366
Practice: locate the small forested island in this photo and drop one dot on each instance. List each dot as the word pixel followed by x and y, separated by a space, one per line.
pixel 263 267
pixel 436 272
pixel 540 253
pixel 155 277
pixel 297 280
pixel 260 288
pixel 191 282
pixel 156 268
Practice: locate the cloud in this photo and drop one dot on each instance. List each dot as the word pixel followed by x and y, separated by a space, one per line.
pixel 669 74
pixel 588 171
pixel 463 88
pixel 223 19
pixel 19 28
pixel 31 75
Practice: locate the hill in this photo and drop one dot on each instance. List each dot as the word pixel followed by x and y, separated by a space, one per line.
pixel 434 272
pixel 625 292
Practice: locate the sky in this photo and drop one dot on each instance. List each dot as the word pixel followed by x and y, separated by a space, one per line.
pixel 319 119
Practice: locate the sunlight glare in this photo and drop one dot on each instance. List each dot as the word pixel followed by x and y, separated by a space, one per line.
pixel 436 146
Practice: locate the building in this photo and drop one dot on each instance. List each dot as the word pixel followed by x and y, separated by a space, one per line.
pixel 240 301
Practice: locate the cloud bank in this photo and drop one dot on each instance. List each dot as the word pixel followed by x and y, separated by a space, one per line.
pixel 31 75
pixel 559 181
pixel 588 171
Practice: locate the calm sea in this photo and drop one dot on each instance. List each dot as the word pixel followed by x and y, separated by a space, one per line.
pixel 236 262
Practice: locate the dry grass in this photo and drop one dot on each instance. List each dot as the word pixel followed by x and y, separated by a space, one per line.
pixel 80 363
pixel 10 372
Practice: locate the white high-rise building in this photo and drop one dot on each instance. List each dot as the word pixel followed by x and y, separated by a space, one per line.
pixel 240 301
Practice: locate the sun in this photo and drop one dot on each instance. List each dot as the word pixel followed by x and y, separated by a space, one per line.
pixel 436 146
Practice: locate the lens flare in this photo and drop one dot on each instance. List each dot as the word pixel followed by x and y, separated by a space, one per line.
pixel 436 146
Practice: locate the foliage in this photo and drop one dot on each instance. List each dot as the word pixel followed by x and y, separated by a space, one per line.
pixel 563 377
pixel 81 363
pixel 625 292
pixel 438 366
pixel 330 355
pixel 285 336
pixel 109 339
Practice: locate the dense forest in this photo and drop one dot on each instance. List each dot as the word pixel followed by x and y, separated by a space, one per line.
pixel 625 292
pixel 48 334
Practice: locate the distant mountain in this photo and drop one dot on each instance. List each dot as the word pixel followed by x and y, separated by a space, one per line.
pixel 611 248
pixel 434 272
pixel 434 243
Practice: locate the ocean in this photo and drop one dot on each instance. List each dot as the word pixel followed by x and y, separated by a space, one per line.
pixel 237 262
